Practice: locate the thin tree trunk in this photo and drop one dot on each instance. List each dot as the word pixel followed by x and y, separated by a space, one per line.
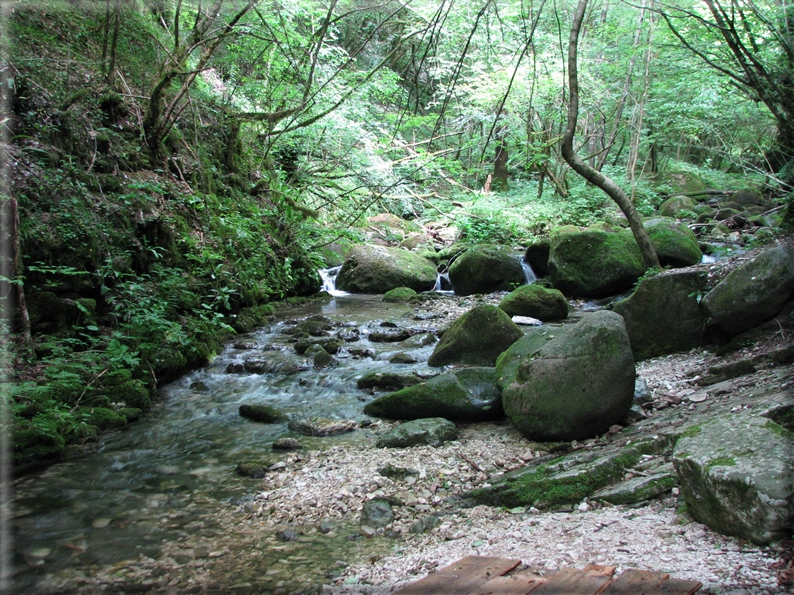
pixel 634 148
pixel 597 178
pixel 114 42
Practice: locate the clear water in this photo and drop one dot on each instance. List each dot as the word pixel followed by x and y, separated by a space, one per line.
pixel 178 461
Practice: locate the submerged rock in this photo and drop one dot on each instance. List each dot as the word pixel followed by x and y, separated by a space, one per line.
pixel 389 380
pixel 736 476
pixel 433 431
pixel 476 338
pixel 568 383
pixel 321 426
pixel 469 394
pixel 262 413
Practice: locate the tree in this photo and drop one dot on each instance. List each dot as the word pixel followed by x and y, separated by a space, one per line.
pixel 588 173
pixel 752 44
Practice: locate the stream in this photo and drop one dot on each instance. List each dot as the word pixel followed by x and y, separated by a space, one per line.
pixel 162 480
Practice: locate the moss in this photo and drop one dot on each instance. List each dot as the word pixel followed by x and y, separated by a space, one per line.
pixel 691 431
pixel 721 462
pixel 133 393
pixel 779 430
pixel 535 301
pixel 103 418
pixel 400 294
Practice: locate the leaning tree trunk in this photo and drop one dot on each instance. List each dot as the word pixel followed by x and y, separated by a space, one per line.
pixel 580 167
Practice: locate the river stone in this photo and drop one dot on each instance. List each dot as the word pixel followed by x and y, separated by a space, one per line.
pixel 286 444
pixel 638 489
pixel 389 335
pixel 378 269
pixel 476 338
pixel 674 205
pixel 256 469
pixel 754 292
pixel 320 357
pixel 536 302
pixel 389 380
pixel 569 383
pixel 262 413
pixel 736 476
pixel 468 394
pixel 330 344
pixel 485 269
pixel 663 315
pixel 321 426
pixel 594 263
pixel 376 513
pixel 433 431
pixel 537 257
pixel 400 294
pixel 675 244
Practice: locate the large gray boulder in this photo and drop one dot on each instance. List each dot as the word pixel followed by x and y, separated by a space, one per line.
pixel 536 302
pixel 664 315
pixel 476 338
pixel 754 292
pixel 432 431
pixel 675 244
pixel 485 269
pixel 468 394
pixel 568 383
pixel 378 269
pixel 737 476
pixel 594 263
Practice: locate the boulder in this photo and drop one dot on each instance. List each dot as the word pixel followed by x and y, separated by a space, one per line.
pixel 537 256
pixel 376 513
pixel 485 269
pixel 468 394
pixel 673 206
pixel 378 269
pixel 389 380
pixel 594 263
pixel 321 426
pixel 664 315
pixel 736 476
pixel 262 413
pixel 433 431
pixel 675 244
pixel 476 338
pixel 569 383
pixel 399 294
pixel 754 292
pixel 536 302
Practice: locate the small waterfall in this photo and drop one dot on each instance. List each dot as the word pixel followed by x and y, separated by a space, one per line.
pixel 529 274
pixel 328 277
pixel 443 284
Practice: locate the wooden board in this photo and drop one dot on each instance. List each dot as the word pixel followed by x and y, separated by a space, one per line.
pixel 462 577
pixel 646 582
pixel 477 575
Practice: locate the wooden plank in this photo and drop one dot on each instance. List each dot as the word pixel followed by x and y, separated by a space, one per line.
pixel 462 577
pixel 520 583
pixel 645 582
pixel 571 581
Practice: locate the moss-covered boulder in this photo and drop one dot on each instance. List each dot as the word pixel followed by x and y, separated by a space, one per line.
pixel 476 338
pixel 35 445
pixel 378 269
pixel 674 205
pixel 684 182
pixel 400 294
pixel 594 263
pixel 664 314
pixel 535 301
pixel 754 292
pixel 262 413
pixel 747 197
pixel 537 256
pixel 469 394
pixel 736 476
pixel 675 244
pixel 568 383
pixel 485 269
pixel 433 431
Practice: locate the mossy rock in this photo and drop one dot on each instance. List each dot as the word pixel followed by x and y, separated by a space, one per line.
pixel 330 344
pixel 400 294
pixel 747 197
pixel 102 417
pixel 35 446
pixel 675 244
pixel 684 182
pixel 537 256
pixel 535 301
pixel 255 468
pixel 116 377
pixel 432 431
pixel 594 263
pixel 132 393
pixel 262 413
pixel 562 230
pixel 476 338
pixel 388 380
pixel 377 269
pixel 252 317
pixel 674 205
pixel 469 394
pixel 725 213
pixel 485 269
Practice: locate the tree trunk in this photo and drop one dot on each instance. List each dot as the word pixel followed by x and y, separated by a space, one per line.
pixel 594 177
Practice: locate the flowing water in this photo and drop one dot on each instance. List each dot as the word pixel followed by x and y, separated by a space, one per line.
pixel 166 475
